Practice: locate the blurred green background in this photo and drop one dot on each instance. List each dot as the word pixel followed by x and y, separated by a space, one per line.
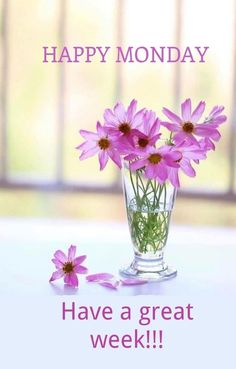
pixel 33 103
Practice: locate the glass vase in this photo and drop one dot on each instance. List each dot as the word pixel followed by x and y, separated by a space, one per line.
pixel 149 206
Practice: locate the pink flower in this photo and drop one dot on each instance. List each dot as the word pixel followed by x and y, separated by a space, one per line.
pixel 185 128
pixel 188 152
pixel 68 266
pixel 156 162
pixel 100 143
pixel 146 135
pixel 120 122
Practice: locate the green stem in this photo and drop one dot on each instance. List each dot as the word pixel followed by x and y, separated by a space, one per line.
pixel 148 221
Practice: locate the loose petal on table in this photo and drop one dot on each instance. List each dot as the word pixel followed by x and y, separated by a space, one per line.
pixel 99 277
pixel 113 284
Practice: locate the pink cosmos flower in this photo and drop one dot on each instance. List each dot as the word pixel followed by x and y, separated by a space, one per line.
pixel 156 162
pixel 100 143
pixel 68 266
pixel 186 127
pixel 121 122
pixel 146 135
pixel 188 152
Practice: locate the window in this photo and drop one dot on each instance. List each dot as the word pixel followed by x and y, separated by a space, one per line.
pixel 44 105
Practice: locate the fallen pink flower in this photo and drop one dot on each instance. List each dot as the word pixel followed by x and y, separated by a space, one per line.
pixel 132 282
pixel 99 277
pixel 68 266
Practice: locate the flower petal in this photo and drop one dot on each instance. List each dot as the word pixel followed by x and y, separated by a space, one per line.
pixel 101 130
pixel 162 171
pixel 216 136
pixel 186 110
pixel 88 135
pixel 114 155
pixel 131 109
pixel 138 164
pixel 89 153
pixel 60 256
pixel 80 269
pixel 58 263
pixel 154 139
pixel 173 156
pixel 103 158
pixel 67 278
pixel 109 117
pixel 150 171
pixel 171 126
pixel 73 280
pixel 202 131
pixel 138 118
pixel 71 252
pixel 119 111
pixel 155 127
pixel 219 119
pixel 110 284
pixel 216 110
pixel 174 177
pixel 187 168
pixel 172 116
pixel 99 277
pixel 79 259
pixel 197 113
pixel 56 275
pixel 87 145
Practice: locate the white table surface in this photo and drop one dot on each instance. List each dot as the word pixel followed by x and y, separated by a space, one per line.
pixel 204 257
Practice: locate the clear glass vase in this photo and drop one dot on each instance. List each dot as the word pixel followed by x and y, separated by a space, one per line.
pixel 149 206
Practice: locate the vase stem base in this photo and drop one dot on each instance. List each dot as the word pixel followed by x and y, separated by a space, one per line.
pixel 150 270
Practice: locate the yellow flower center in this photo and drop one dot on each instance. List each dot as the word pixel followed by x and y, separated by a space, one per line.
pixel 155 158
pixel 142 142
pixel 124 128
pixel 68 267
pixel 188 127
pixel 103 143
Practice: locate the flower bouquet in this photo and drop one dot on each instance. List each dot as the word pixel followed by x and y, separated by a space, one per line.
pixel 151 162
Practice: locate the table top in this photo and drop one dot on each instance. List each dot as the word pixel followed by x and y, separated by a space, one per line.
pixel 204 257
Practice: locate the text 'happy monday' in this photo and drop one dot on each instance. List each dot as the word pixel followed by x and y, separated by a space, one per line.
pixel 141 54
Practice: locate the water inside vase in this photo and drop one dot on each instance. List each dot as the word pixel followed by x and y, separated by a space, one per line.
pixel 148 228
